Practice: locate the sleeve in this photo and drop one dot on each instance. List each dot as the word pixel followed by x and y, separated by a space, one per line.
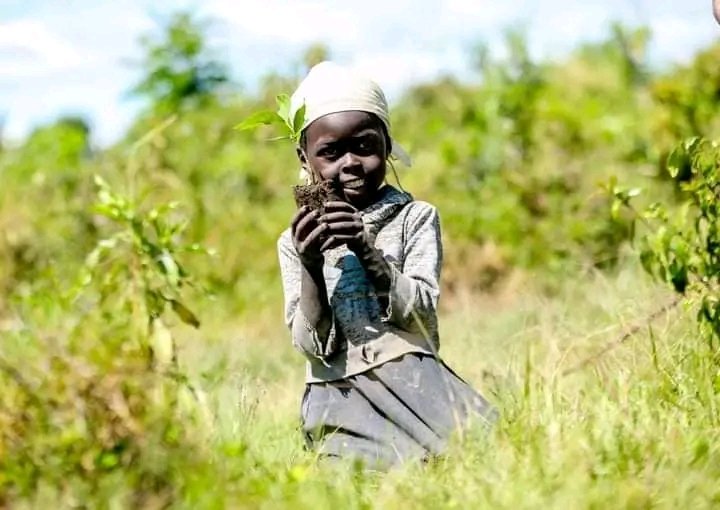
pixel 317 341
pixel 415 280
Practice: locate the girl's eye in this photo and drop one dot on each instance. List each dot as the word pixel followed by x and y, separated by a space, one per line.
pixel 366 146
pixel 328 152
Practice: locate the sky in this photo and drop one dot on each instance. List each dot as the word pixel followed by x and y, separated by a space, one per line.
pixel 76 57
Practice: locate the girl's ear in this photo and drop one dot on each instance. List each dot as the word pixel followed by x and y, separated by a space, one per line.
pixel 301 156
pixel 388 140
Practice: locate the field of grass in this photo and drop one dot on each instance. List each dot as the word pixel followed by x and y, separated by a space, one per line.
pixel 634 427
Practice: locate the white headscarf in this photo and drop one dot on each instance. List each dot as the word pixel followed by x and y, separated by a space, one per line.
pixel 331 88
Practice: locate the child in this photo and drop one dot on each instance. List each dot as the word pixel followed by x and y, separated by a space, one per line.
pixel 361 285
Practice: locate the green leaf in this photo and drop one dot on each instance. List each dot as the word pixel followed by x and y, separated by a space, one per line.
pixel 708 308
pixel 298 121
pixel 155 303
pixel 679 278
pixel 283 107
pixel 693 143
pixel 184 313
pixel 676 160
pixel 264 117
pixel 170 268
pixel 108 460
pixel 679 162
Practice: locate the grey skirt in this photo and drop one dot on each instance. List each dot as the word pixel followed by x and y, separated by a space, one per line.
pixel 404 409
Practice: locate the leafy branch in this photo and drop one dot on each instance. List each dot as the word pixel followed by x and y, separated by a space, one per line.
pixel 681 245
pixel 281 117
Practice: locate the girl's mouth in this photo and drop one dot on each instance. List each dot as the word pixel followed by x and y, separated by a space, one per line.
pixel 354 184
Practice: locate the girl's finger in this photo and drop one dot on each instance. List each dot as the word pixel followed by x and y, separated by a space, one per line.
pixel 336 205
pixel 306 224
pixel 313 237
pixel 299 214
pixel 349 227
pixel 336 240
pixel 340 216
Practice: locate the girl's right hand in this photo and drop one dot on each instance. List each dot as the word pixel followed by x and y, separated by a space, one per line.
pixel 307 234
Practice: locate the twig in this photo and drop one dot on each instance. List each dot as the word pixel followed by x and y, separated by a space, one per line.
pixel 622 338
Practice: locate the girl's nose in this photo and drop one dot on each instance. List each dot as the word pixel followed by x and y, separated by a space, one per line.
pixel 350 161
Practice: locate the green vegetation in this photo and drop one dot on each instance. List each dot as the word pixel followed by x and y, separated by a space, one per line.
pixel 143 359
pixel 682 246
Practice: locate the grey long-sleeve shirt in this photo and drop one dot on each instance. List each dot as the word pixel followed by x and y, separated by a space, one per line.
pixel 368 329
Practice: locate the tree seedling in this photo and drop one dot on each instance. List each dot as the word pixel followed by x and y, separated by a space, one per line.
pixel 317 191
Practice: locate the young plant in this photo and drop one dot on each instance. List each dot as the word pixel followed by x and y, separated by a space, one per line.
pixel 141 255
pixel 92 392
pixel 316 191
pixel 681 246
pixel 279 118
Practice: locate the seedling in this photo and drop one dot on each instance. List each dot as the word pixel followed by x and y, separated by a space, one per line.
pixel 317 191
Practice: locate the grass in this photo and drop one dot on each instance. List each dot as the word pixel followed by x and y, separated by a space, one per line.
pixel 636 427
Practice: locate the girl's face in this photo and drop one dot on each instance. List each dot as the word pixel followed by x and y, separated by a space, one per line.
pixel 351 149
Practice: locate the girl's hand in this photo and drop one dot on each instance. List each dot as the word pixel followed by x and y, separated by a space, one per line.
pixel 344 226
pixel 308 236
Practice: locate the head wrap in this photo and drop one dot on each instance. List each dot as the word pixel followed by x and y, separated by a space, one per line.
pixel 331 88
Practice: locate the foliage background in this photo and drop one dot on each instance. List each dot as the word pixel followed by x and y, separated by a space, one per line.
pixel 110 400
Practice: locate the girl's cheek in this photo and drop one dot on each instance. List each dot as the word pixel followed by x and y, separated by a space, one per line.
pixel 329 171
pixel 374 164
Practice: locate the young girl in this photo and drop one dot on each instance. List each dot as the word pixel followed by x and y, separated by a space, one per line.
pixel 361 285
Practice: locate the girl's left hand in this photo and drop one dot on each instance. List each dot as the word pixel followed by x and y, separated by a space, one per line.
pixel 344 226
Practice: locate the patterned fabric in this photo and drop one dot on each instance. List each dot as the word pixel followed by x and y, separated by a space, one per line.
pixel 370 329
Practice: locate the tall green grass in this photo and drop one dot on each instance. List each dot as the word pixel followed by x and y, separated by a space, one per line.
pixel 637 427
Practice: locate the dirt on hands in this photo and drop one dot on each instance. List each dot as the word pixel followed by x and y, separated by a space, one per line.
pixel 316 195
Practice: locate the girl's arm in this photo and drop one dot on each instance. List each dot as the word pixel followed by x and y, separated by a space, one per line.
pixel 307 310
pixel 409 288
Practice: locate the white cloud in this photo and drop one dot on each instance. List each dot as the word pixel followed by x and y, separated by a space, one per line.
pixel 287 22
pixel 378 24
pixel 66 56
pixel 61 61
pixel 29 48
pixel 398 42
pixel 676 39
pixel 397 70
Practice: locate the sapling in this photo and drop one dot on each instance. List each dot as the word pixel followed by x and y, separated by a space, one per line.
pixel 316 191
pixel 137 268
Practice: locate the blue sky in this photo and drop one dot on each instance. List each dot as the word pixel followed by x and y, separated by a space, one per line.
pixel 74 56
